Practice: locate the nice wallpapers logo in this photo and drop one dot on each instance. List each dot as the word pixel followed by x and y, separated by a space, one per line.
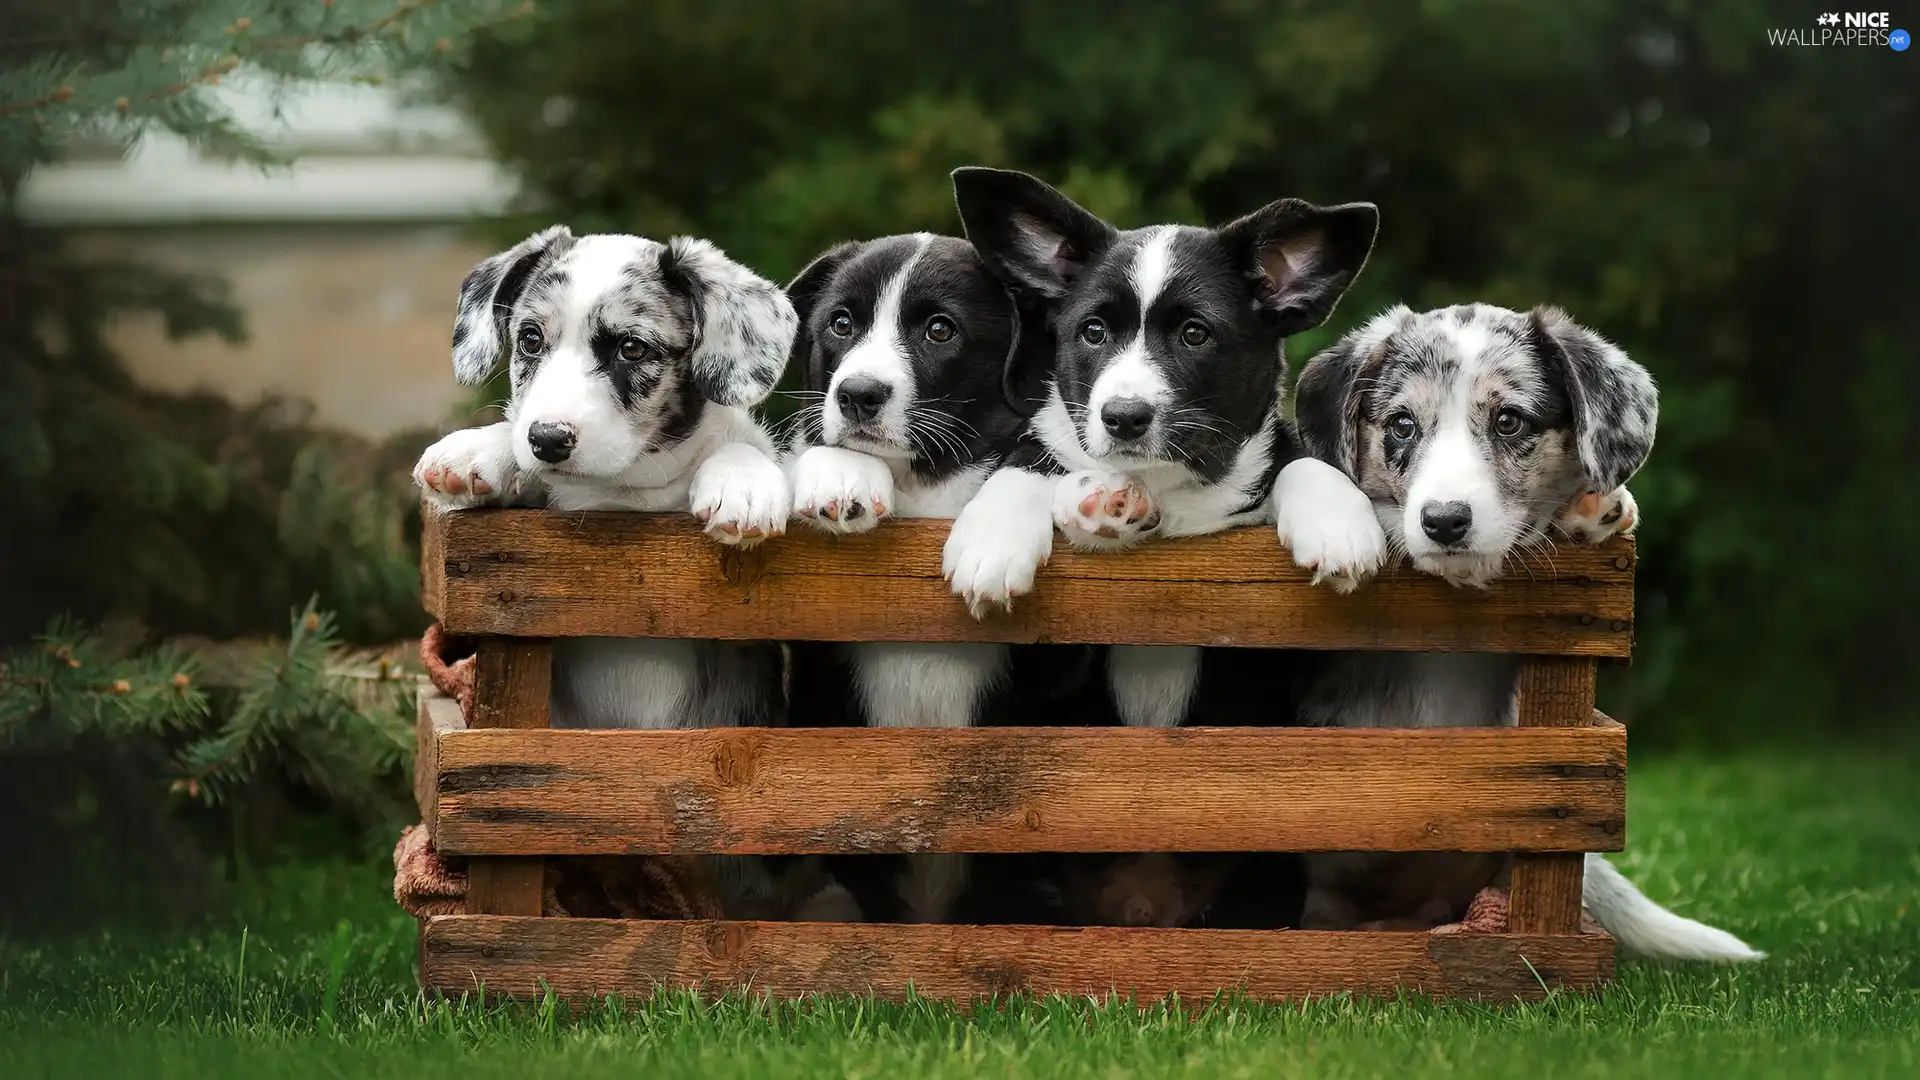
pixel 1856 29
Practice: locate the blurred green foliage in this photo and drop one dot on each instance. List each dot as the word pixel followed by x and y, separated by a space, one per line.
pixel 1737 215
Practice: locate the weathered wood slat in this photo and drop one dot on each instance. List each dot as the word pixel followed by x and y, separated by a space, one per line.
pixel 767 791
pixel 581 959
pixel 511 679
pixel 438 714
pixel 432 559
pixel 538 574
pixel 1555 692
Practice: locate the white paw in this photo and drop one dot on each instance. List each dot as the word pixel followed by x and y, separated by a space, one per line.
pixel 741 496
pixel 473 467
pixel 1102 511
pixel 1594 517
pixel 1000 540
pixel 1328 524
pixel 841 491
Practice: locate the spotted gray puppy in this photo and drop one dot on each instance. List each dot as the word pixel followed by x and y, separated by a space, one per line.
pixel 1477 430
pixel 1478 433
pixel 632 365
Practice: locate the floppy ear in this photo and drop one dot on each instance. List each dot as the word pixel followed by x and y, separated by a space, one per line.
pixel 487 297
pixel 743 325
pixel 1029 235
pixel 1301 257
pixel 802 293
pixel 1327 399
pixel 1326 403
pixel 1615 403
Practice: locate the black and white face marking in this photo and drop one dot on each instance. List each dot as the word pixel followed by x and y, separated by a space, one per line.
pixel 906 341
pixel 1169 337
pixel 1161 357
pixel 1471 426
pixel 616 344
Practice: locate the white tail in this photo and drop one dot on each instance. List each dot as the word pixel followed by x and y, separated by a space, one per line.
pixel 1644 928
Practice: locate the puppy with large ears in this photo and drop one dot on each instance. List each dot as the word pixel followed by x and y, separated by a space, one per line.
pixel 632 366
pixel 1163 413
pixel 1477 433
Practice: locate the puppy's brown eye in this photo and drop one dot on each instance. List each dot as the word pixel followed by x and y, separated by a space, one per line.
pixel 1093 332
pixel 940 330
pixel 531 340
pixel 633 350
pixel 841 323
pixel 1193 335
pixel 1402 427
pixel 1510 425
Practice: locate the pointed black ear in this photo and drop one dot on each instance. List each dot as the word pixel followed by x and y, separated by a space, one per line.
pixel 1615 403
pixel 743 324
pixel 1017 371
pixel 1327 399
pixel 1030 236
pixel 487 297
pixel 803 291
pixel 1301 257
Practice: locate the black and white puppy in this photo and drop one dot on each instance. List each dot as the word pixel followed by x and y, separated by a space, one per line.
pixel 910 348
pixel 1163 414
pixel 633 364
pixel 1478 433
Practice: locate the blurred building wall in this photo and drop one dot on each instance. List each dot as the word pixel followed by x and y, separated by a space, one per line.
pixel 346 264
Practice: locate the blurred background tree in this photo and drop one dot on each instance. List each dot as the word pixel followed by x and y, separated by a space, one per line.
pixel 1737 215
pixel 166 515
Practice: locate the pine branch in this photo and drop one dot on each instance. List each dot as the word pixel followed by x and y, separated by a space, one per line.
pixel 68 73
pixel 331 719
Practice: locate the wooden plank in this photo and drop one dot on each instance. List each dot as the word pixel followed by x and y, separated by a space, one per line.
pixel 582 959
pixel 511 681
pixel 433 559
pixel 800 790
pixel 1554 692
pixel 511 678
pixel 438 714
pixel 539 574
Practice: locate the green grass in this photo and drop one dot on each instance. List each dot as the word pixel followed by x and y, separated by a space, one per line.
pixel 1814 857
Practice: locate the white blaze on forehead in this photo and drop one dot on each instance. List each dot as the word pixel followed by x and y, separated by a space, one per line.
pixel 1131 374
pixel 1151 266
pixel 1452 463
pixel 880 353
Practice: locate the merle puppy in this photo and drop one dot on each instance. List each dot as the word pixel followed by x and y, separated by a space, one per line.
pixel 632 365
pixel 1478 433
pixel 913 355
pixel 1162 416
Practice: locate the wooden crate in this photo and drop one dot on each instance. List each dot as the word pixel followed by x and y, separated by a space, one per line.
pixel 505 791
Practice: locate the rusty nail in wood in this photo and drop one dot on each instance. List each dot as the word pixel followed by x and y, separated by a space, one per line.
pixel 463 566
pixel 1586 618
pixel 1622 562
pixel 1621 624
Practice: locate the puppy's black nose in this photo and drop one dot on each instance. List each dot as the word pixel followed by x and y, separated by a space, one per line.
pixel 862 397
pixel 1446 523
pixel 552 443
pixel 1126 418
